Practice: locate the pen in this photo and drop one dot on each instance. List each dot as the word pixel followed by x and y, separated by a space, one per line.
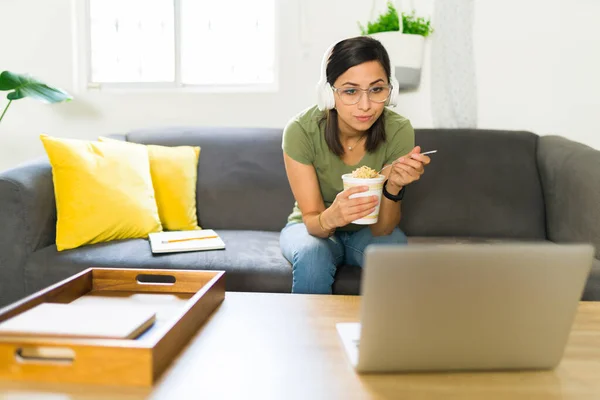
pixel 188 239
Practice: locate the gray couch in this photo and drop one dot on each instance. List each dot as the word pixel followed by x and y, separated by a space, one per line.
pixel 481 186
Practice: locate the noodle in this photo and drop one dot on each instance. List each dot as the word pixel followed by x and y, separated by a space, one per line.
pixel 365 173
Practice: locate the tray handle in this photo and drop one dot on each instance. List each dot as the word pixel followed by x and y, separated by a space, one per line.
pixel 44 355
pixel 95 362
pixel 151 280
pixel 155 279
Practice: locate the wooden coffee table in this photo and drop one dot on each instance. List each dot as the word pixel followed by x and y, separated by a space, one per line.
pixel 281 346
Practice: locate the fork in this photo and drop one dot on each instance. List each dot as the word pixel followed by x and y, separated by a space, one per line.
pixel 424 154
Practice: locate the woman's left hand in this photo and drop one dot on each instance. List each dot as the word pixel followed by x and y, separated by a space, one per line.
pixel 408 169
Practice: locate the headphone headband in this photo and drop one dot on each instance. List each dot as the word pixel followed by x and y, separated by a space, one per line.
pixel 325 61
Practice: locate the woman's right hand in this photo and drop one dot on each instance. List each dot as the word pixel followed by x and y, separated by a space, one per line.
pixel 344 210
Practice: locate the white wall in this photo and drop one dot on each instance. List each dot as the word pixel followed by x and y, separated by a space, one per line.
pixel 532 73
pixel 538 66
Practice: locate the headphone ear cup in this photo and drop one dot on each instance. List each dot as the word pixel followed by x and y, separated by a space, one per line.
pixel 325 99
pixel 328 94
pixel 393 100
pixel 320 96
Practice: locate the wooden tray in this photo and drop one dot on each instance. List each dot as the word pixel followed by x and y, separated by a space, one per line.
pixel 183 300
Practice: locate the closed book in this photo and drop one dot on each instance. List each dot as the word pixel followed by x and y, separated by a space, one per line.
pixel 79 321
pixel 179 241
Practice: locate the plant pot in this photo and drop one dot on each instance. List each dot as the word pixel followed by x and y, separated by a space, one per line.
pixel 406 56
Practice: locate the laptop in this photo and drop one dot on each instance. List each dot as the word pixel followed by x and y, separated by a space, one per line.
pixel 466 306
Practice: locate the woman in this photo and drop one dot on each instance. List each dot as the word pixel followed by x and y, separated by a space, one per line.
pixel 349 128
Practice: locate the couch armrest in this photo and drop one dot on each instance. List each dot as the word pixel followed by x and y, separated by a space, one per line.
pixel 570 174
pixel 27 222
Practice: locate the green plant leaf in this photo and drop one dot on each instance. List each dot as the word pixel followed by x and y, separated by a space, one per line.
pixel 26 86
pixel 9 81
pixel 416 26
pixel 390 22
pixel 385 22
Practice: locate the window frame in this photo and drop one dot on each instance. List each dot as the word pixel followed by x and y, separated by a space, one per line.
pixel 83 62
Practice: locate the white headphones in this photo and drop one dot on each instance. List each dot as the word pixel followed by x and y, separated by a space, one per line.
pixel 325 98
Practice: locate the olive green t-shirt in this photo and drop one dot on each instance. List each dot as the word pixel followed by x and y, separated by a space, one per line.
pixel 304 141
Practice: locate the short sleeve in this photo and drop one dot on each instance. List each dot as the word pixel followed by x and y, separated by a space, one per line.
pixel 401 142
pixel 297 144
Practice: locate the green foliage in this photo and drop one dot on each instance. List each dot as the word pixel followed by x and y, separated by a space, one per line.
pixel 387 22
pixel 414 25
pixel 21 86
pixel 390 22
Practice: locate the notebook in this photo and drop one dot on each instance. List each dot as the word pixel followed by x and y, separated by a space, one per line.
pixel 69 320
pixel 176 241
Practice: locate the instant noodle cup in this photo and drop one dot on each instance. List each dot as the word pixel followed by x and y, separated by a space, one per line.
pixel 375 189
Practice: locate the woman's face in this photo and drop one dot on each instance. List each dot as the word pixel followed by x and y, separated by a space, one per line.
pixel 360 116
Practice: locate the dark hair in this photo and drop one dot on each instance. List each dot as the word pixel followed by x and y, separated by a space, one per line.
pixel 345 55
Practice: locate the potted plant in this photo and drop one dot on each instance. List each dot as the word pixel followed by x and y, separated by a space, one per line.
pixel 21 86
pixel 404 39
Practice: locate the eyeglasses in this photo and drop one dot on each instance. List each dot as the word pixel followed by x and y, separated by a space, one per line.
pixel 351 95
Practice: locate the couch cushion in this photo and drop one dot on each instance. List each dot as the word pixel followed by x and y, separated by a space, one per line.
pixel 241 177
pixel 252 261
pixel 174 172
pixel 479 184
pixel 103 191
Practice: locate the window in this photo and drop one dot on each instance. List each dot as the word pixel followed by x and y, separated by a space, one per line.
pixel 175 43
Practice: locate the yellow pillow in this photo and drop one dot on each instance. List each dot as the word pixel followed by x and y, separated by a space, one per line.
pixel 103 192
pixel 174 173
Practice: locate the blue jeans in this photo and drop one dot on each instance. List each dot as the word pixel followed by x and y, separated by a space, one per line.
pixel 314 260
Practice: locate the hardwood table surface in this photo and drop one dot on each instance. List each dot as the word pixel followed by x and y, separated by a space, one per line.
pixel 283 346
